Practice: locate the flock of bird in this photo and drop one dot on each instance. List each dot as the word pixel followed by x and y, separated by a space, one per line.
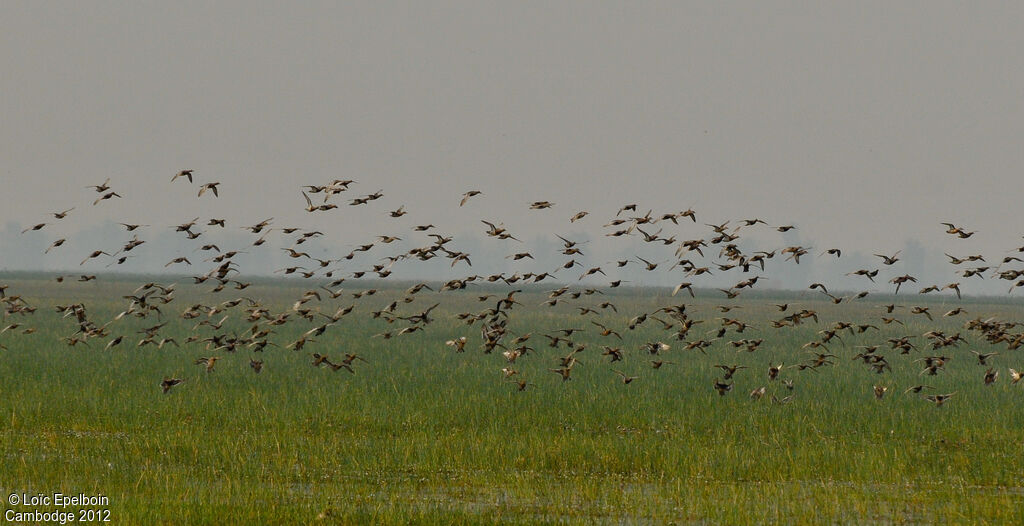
pixel 716 252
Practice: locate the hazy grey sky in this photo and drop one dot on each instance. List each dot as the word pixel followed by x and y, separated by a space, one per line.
pixel 865 124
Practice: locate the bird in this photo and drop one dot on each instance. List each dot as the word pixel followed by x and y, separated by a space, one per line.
pixel 55 244
pixel 564 372
pixel 169 382
pixel 209 186
pixel 467 195
pixel 939 399
pixel 102 187
pixel 625 378
pixel 889 260
pixel 656 347
pixel 459 344
pixel 730 370
pixel 782 401
pixel 104 197
pixel 521 384
pixel 95 254
pixel 209 362
pixel 899 280
pixel 184 173
pixel 577 216
pixel 338 366
pixel 982 357
pixel 34 228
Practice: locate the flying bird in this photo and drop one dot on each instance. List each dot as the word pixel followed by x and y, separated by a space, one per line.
pixel 209 186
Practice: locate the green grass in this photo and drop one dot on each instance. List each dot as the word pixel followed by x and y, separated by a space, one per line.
pixel 424 435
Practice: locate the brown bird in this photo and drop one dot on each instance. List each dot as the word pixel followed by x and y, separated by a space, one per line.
pixel 722 387
pixel 257 365
pixel 101 188
pixel 62 215
pixel 565 372
pixel 625 379
pixel 577 216
pixel 922 310
pixel 939 399
pixel 521 384
pixel 880 391
pixel 34 228
pixel 209 186
pixel 990 376
pixel 336 366
pixel 208 362
pixel 982 357
pixel 730 370
pixel 169 382
pixel 818 286
pixel 889 260
pixel 95 254
pixel 467 195
pixel 900 280
pixel 184 173
pixel 782 401
pixel 106 196
pixel 178 260
pixel 459 344
pixel 55 244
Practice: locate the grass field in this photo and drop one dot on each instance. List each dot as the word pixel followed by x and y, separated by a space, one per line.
pixel 422 434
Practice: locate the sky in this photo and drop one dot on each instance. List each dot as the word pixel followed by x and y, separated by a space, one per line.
pixel 865 124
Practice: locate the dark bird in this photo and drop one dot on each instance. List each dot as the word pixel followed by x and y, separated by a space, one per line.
pixel 104 197
pixel 169 382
